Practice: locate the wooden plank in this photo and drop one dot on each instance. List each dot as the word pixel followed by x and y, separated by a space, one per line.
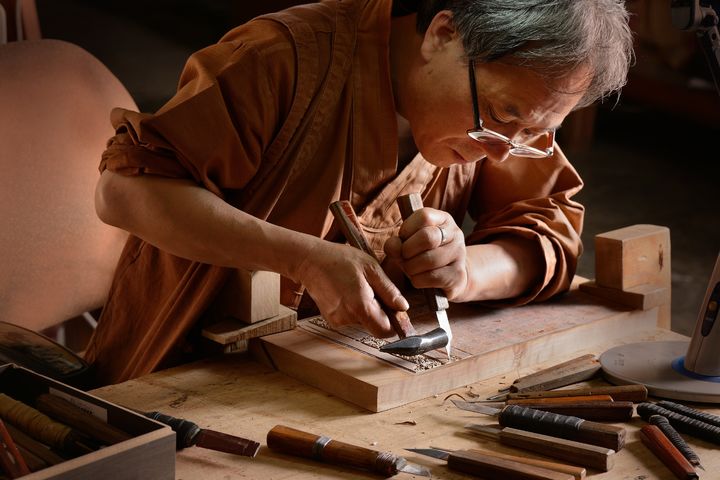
pixel 249 296
pixel 641 297
pixel 232 330
pixel 497 341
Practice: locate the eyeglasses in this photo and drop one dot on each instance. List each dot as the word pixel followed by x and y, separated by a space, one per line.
pixel 490 137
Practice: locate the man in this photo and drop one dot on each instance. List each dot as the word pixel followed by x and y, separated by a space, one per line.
pixel 341 100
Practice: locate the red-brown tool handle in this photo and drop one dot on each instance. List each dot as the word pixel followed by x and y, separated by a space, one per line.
pixel 558 400
pixel 596 411
pixel 573 428
pixel 324 449
pixel 619 393
pixel 494 468
pixel 657 443
pixel 350 227
pixel 11 460
pixel 409 204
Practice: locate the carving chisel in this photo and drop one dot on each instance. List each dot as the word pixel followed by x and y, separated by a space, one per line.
pixel 350 227
pixel 324 449
pixel 577 453
pixel 566 373
pixel 491 467
pixel 437 302
pixel 598 411
pixel 573 428
pixel 658 443
pixel 620 393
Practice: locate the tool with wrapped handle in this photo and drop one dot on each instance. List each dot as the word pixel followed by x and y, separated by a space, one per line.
pixel 436 300
pixel 656 442
pixel 573 428
pixel 604 411
pixel 324 449
pixel 682 423
pixel 664 425
pixel 350 228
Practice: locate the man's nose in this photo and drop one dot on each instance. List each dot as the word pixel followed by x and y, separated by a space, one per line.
pixel 497 152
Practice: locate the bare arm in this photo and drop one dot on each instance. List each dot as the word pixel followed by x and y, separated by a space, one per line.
pixel 188 221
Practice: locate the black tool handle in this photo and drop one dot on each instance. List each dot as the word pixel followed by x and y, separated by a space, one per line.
pixel 186 432
pixel 324 449
pixel 704 417
pixel 682 423
pixel 564 426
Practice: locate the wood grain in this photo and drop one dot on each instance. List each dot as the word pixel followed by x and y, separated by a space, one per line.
pixel 658 443
pixel 492 467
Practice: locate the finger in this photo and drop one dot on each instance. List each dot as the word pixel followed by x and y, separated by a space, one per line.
pixel 386 290
pixel 424 217
pixel 443 278
pixel 393 247
pixel 432 259
pixel 428 238
pixel 377 322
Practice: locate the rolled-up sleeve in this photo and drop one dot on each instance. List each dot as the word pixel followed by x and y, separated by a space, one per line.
pixel 532 199
pixel 231 100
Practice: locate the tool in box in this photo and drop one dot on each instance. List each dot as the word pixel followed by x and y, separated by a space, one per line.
pixel 576 370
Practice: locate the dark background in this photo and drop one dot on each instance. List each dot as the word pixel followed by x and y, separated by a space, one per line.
pixel 651 157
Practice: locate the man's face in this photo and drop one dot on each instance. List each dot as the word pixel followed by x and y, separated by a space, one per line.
pixel 513 101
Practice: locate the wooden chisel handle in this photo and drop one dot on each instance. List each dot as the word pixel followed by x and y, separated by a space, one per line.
pixel 350 227
pixel 566 373
pixel 559 400
pixel 657 443
pixel 574 428
pixel 302 444
pixel 596 411
pixel 621 393
pixel 493 468
pixel 578 453
pixel 578 473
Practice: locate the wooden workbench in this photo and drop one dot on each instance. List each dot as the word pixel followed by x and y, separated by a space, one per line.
pixel 236 395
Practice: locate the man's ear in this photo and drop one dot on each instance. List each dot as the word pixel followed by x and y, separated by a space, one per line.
pixel 438 35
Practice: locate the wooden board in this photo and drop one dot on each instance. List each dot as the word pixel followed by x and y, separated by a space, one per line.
pixel 488 342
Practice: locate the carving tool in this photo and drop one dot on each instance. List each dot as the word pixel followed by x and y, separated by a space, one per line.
pixel 704 417
pixel 578 473
pixel 11 460
pixel 189 434
pixel 324 449
pixel 573 428
pixel 682 423
pixel 675 438
pixel 602 411
pixel 576 370
pixel 477 462
pixel 623 393
pixel 350 227
pixel 577 453
pixel 657 443
pixel 436 300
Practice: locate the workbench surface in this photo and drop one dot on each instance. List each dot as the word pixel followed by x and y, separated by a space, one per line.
pixel 236 395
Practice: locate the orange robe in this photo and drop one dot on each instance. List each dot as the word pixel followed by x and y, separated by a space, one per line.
pixel 286 114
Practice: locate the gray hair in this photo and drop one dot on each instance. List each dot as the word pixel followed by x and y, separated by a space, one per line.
pixel 550 37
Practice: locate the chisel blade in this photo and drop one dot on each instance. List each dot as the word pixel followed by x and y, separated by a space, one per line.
pixel 413 469
pixel 430 452
pixel 476 407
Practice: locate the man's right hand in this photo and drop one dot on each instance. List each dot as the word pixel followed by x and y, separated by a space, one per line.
pixel 346 284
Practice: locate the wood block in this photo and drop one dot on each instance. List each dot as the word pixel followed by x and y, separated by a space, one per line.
pixel 633 256
pixel 642 297
pixel 249 297
pixel 234 334
pixel 487 343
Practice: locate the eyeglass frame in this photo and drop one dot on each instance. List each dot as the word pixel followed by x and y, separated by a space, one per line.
pixel 516 149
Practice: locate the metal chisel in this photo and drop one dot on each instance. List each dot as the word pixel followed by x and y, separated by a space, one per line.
pixel 564 426
pixel 324 449
pixel 437 302
pixel 605 411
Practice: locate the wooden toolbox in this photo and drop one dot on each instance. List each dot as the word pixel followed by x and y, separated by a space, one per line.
pixel 150 453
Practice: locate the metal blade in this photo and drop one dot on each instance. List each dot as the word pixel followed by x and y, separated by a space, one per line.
pixel 444 323
pixel 476 407
pixel 412 468
pixel 430 452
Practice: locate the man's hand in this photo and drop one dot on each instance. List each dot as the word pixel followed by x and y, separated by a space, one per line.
pixel 431 251
pixel 344 282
